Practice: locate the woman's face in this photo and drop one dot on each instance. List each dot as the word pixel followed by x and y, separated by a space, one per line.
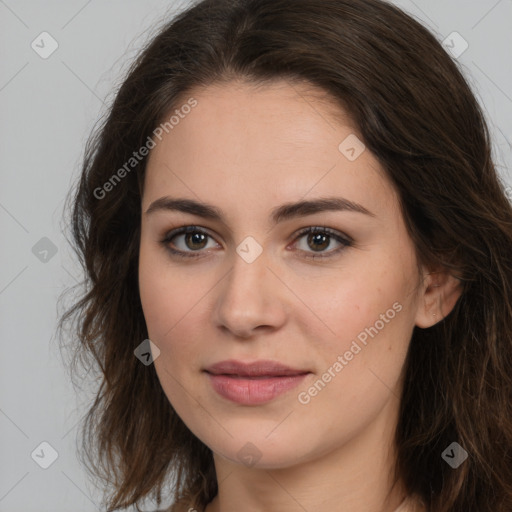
pixel 246 287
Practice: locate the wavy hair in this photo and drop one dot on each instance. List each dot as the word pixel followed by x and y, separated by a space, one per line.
pixel 417 114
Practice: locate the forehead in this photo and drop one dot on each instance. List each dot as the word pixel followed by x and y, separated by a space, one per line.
pixel 259 144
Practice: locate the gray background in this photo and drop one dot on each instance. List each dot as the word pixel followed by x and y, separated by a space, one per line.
pixel 49 107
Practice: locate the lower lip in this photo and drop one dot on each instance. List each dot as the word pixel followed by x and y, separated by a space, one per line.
pixel 253 391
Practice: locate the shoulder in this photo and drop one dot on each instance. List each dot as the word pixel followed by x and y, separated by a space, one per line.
pixel 411 504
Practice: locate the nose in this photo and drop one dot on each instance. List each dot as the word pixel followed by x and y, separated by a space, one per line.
pixel 251 298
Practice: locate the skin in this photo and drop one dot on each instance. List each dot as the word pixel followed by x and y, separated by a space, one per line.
pixel 247 151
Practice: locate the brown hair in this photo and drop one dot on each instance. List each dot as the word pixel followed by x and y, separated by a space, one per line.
pixel 418 116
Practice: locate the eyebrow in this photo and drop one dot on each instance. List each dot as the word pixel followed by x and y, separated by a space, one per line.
pixel 281 213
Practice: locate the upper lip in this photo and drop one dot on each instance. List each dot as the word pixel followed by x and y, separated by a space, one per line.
pixel 254 369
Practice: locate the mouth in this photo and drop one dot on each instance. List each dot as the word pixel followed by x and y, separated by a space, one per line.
pixel 253 383
pixel 256 369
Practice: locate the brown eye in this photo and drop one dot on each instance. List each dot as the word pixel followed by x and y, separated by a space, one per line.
pixel 195 240
pixel 186 241
pixel 318 239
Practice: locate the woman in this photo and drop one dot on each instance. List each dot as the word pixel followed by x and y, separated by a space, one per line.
pixel 298 251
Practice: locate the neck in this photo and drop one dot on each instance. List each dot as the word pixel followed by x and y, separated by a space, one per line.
pixel 356 476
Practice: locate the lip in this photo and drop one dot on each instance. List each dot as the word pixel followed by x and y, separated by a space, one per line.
pixel 253 383
pixel 261 368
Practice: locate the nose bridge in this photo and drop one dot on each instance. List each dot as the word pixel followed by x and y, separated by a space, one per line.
pixel 249 275
pixel 249 296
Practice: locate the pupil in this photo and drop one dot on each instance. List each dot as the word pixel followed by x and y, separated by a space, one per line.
pixel 196 238
pixel 317 237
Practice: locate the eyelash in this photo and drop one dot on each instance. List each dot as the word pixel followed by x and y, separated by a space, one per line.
pixel 344 240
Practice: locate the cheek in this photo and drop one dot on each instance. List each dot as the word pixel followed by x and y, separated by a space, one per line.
pixel 168 313
pixel 360 366
pixel 171 301
pixel 367 315
pixel 154 298
pixel 161 304
pixel 162 291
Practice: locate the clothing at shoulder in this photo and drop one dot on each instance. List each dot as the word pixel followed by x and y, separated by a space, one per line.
pixel 175 508
pixel 408 505
pixel 179 507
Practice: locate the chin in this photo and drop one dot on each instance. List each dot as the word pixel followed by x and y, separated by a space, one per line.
pixel 250 455
pixel 254 448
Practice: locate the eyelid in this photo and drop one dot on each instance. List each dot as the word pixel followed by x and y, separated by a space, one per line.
pixel 323 229
pixel 183 230
pixel 343 239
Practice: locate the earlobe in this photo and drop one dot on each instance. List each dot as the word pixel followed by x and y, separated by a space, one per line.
pixel 441 290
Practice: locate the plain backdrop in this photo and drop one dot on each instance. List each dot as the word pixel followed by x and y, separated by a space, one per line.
pixel 48 108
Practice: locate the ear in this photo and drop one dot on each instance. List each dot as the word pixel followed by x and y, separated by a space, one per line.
pixel 441 291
